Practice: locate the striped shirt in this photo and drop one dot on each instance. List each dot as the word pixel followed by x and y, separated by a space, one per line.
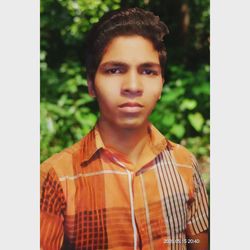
pixel 93 199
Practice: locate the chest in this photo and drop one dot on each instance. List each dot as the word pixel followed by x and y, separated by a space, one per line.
pixel 119 208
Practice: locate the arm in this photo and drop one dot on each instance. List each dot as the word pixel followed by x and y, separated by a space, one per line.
pixel 197 227
pixel 51 213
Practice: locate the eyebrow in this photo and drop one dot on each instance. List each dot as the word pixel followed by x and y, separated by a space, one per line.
pixel 122 64
pixel 113 63
pixel 150 64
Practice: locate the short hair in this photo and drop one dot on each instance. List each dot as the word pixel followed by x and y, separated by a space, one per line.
pixel 124 22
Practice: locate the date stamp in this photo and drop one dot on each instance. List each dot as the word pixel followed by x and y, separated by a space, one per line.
pixel 181 241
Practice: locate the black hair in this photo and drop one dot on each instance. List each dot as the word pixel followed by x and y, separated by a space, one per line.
pixel 124 22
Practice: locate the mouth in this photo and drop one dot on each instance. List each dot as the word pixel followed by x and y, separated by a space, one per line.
pixel 131 107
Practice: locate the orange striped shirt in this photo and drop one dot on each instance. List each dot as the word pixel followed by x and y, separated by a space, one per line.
pixel 91 198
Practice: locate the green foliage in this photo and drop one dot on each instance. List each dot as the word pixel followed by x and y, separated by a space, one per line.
pixel 67 111
pixel 182 113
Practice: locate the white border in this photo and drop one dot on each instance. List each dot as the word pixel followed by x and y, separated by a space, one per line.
pixel 19 131
pixel 230 126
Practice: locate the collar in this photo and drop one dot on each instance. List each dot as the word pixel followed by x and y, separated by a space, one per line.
pixel 158 141
pixel 92 142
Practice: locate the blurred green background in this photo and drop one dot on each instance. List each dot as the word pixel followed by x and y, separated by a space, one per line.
pixel 67 111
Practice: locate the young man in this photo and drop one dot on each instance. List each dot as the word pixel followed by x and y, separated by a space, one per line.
pixel 124 185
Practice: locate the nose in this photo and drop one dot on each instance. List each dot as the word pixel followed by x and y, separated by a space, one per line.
pixel 132 85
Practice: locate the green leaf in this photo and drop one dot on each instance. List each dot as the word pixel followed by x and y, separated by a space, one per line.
pixel 189 104
pixel 178 130
pixel 196 120
pixel 168 120
pixel 171 95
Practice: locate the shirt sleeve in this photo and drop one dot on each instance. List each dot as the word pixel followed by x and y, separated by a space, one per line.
pixel 198 207
pixel 52 208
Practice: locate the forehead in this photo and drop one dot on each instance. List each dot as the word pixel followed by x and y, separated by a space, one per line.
pixel 131 50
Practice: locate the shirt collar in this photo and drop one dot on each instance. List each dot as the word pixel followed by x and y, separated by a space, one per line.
pixel 92 142
pixel 158 141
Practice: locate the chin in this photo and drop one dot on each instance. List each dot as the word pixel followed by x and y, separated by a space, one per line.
pixel 131 123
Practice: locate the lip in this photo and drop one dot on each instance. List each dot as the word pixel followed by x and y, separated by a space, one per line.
pixel 131 107
pixel 130 104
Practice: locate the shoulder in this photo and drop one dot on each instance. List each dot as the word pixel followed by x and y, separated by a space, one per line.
pixel 187 166
pixel 62 162
pixel 181 154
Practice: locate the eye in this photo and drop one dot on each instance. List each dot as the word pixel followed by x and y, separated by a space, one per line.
pixel 113 71
pixel 149 72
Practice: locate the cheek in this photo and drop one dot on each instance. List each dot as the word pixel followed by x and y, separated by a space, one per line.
pixel 106 95
pixel 154 92
pixel 107 85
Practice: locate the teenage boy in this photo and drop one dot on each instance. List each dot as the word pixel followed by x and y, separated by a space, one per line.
pixel 124 185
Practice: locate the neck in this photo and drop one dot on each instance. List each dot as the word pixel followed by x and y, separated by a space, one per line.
pixel 131 142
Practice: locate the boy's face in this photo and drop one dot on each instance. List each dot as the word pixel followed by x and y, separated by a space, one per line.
pixel 128 82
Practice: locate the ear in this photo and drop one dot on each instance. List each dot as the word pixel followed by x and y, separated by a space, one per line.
pixel 91 88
